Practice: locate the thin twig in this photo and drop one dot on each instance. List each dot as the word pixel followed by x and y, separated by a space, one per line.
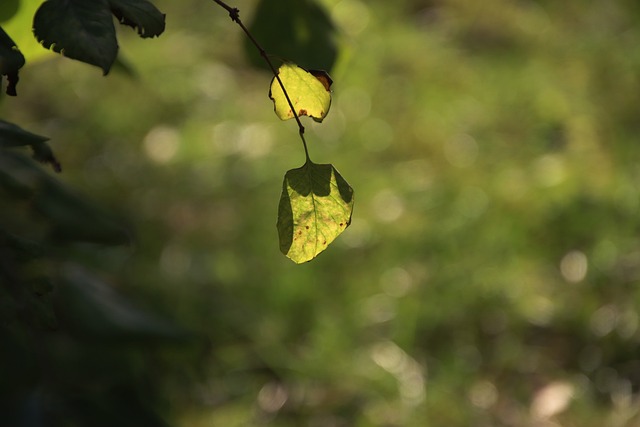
pixel 234 14
pixel 230 9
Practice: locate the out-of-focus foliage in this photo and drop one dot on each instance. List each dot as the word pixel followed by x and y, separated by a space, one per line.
pixel 490 276
pixel 299 31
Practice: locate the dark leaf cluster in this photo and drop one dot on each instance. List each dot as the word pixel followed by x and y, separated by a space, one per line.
pixel 84 30
pixel 44 285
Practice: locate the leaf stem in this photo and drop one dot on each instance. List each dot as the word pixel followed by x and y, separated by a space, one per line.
pixel 306 150
pixel 234 14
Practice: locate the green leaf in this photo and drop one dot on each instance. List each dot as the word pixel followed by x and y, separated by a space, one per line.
pixel 307 92
pixel 12 135
pixel 140 15
pixel 299 30
pixel 11 60
pixel 315 207
pixel 78 29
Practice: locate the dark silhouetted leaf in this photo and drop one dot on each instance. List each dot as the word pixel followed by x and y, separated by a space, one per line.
pixel 11 60
pixel 12 135
pixel 300 31
pixel 21 249
pixel 70 217
pixel 78 29
pixel 315 208
pixel 140 15
pixel 13 187
pixel 74 218
pixel 92 307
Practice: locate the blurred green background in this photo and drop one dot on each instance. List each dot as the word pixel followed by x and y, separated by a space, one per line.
pixel 490 274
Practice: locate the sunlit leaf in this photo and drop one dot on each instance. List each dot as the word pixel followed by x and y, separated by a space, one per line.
pixel 308 94
pixel 315 207
pixel 140 15
pixel 78 29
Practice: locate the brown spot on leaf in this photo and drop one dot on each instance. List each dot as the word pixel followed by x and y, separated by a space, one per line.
pixel 324 243
pixel 323 77
pixel 307 227
pixel 302 112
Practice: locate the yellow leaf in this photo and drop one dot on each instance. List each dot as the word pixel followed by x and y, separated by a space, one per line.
pixel 309 94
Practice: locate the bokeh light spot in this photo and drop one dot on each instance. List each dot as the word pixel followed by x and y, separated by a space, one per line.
pixel 552 399
pixel 256 140
pixel 388 356
pixel 352 16
pixel 331 134
pixel 483 394
pixel 272 397
pixel 358 234
pixel 388 206
pixel 216 80
pixel 161 144
pixel 627 325
pixel 379 308
pixel 549 170
pixel 408 372
pixel 461 150
pixel 604 320
pixel 355 102
pixel 574 266
pixel 539 310
pixel 396 282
